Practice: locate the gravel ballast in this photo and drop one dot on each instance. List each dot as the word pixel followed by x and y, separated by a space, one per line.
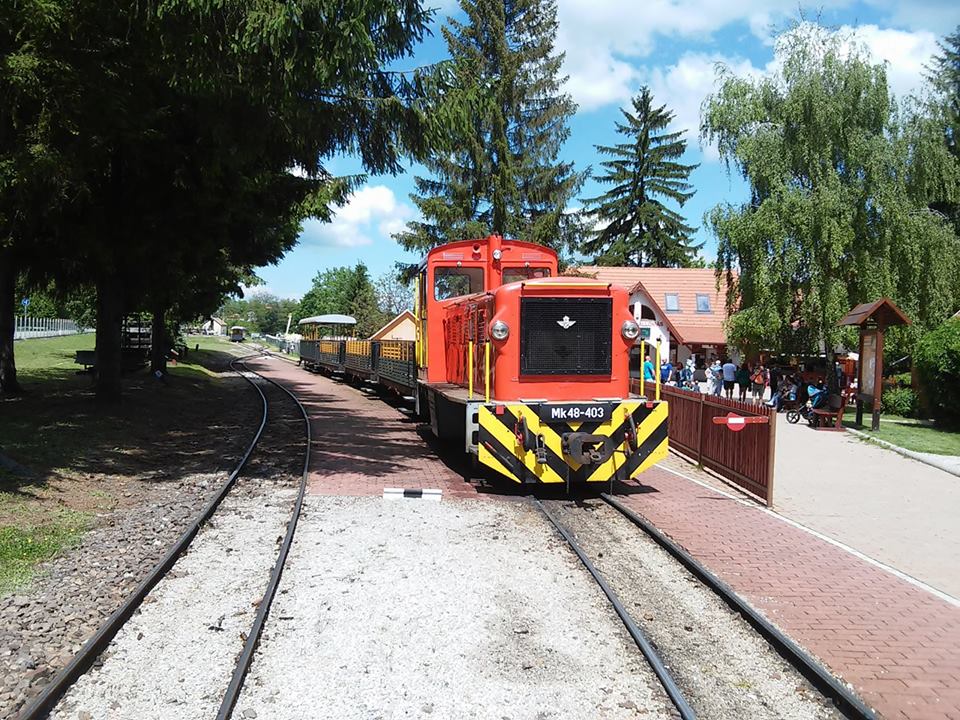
pixel 725 669
pixel 42 626
pixel 174 657
pixel 458 609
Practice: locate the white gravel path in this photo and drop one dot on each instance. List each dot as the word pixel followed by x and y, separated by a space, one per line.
pixel 458 609
pixel 170 660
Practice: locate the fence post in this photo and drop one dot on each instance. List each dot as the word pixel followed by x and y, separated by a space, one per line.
pixel 700 429
pixel 771 456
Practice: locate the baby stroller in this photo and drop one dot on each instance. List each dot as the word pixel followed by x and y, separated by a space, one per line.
pixel 818 397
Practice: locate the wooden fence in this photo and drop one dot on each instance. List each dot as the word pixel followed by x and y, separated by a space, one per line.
pixel 743 457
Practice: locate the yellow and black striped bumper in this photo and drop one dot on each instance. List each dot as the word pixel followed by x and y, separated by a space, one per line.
pixel 510 432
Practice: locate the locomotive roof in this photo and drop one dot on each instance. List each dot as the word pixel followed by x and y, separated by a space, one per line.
pixel 470 242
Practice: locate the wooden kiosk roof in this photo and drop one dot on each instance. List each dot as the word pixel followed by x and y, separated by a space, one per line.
pixel 883 311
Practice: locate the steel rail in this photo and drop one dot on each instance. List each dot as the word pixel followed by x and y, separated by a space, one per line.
pixel 814 671
pixel 263 609
pixel 41 705
pixel 646 647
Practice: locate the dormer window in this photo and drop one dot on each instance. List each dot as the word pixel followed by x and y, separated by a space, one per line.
pixel 703 303
pixel 672 302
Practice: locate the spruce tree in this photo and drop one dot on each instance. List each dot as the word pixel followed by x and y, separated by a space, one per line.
pixel 503 175
pixel 637 228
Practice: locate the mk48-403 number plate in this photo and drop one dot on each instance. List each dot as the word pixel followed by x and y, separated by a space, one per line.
pixel 576 412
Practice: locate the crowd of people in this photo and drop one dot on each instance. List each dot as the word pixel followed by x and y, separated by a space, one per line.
pixel 743 382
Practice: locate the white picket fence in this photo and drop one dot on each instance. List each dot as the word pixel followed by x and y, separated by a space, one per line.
pixel 30 327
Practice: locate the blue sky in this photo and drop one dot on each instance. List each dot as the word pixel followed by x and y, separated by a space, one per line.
pixel 613 47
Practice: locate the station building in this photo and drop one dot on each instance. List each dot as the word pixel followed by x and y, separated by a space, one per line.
pixel 682 307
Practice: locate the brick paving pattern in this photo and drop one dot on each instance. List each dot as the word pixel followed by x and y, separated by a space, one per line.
pixel 360 443
pixel 896 644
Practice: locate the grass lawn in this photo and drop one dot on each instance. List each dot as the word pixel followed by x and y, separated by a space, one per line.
pixel 909 434
pixel 83 459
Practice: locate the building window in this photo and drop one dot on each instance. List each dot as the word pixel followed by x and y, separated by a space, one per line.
pixel 703 303
pixel 646 313
pixel 672 302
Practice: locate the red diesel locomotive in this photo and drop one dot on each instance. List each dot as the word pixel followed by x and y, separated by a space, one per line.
pixel 529 370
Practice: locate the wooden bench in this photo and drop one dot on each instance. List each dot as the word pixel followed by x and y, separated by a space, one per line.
pixel 87 358
pixel 838 403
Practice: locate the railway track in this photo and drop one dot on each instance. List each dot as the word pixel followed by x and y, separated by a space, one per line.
pixel 711 652
pixel 254 477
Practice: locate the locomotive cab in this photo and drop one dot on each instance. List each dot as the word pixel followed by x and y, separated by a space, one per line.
pixel 529 369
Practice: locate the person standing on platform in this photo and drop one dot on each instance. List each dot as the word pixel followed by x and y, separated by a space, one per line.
pixel 743 381
pixel 759 382
pixel 648 376
pixel 774 380
pixel 729 371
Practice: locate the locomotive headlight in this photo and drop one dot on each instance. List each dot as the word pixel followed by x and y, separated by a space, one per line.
pixel 630 330
pixel 497 254
pixel 499 330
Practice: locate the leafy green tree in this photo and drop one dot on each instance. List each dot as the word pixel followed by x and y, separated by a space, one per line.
pixel 363 303
pixel 393 294
pixel 152 123
pixel 839 192
pixel 945 78
pixel 938 363
pixel 637 228
pixel 330 293
pixel 501 173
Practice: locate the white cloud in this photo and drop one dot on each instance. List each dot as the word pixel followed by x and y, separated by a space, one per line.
pixel 905 53
pixel 607 41
pixel 373 210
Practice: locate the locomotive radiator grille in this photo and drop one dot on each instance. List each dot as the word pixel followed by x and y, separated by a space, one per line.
pixel 565 336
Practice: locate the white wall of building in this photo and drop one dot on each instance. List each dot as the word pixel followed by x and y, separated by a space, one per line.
pixel 654 328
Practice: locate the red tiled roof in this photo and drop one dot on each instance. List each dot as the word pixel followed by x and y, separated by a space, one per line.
pixel 687 325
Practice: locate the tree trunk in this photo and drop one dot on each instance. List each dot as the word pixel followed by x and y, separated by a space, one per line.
pixel 158 341
pixel 8 300
pixel 109 333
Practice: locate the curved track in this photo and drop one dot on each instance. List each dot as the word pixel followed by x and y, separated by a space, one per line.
pixel 47 700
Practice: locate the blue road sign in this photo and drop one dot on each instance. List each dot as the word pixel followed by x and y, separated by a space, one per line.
pixel 25 302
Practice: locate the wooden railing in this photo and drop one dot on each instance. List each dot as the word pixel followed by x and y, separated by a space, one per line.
pixel 744 457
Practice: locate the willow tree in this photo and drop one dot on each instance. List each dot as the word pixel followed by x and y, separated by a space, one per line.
pixel 503 174
pixel 637 226
pixel 840 187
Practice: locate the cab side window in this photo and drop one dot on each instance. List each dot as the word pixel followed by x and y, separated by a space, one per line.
pixel 451 282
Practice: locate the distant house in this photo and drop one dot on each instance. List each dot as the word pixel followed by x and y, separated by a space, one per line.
pixel 402 327
pixel 681 307
pixel 214 326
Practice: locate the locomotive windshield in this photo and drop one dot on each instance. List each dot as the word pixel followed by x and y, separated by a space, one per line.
pixel 451 282
pixel 515 274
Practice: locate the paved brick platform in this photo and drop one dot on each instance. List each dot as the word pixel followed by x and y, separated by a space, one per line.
pixel 897 644
pixel 360 443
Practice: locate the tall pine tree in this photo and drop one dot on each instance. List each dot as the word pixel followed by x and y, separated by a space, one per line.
pixel 504 176
pixel 637 228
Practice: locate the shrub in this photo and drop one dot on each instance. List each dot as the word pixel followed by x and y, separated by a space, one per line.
pixel 899 401
pixel 938 362
pixel 902 380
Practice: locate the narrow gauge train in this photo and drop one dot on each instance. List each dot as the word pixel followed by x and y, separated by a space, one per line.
pixel 529 370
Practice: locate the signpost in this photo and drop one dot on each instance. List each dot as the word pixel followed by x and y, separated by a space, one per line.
pixel 873 319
